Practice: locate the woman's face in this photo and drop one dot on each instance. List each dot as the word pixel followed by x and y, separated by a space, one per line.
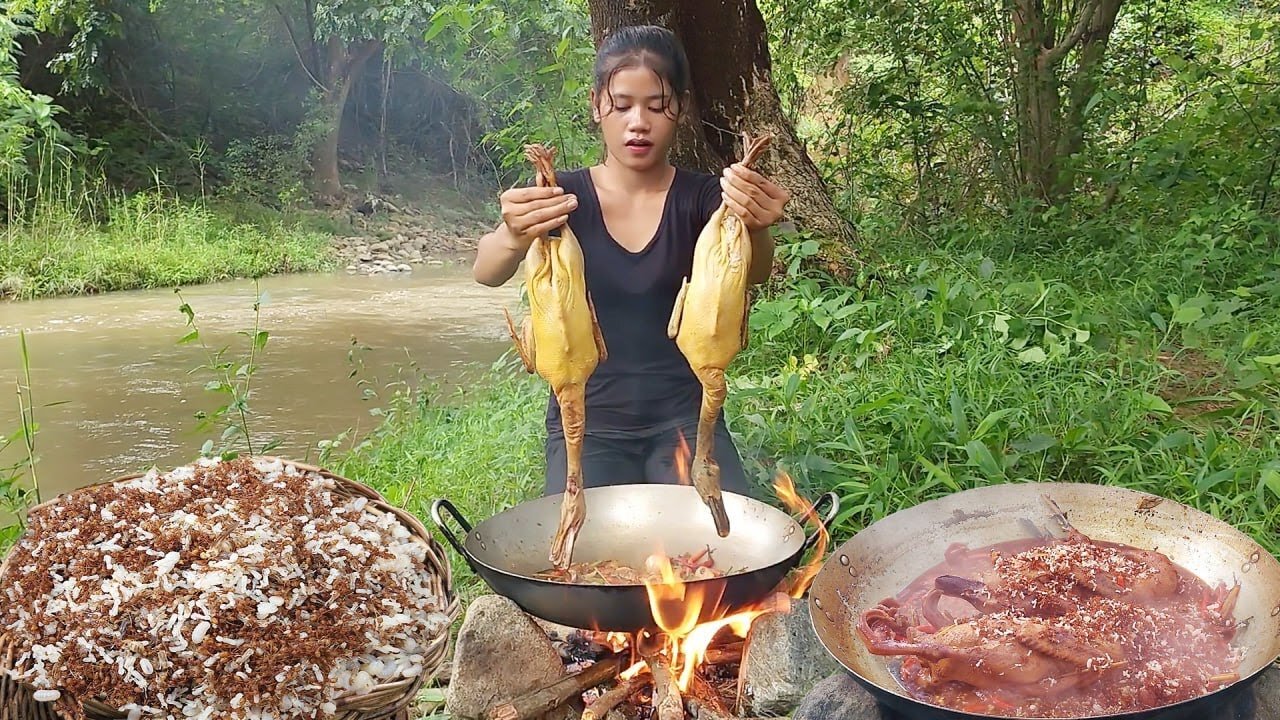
pixel 638 130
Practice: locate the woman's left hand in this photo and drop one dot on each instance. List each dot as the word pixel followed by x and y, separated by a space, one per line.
pixel 751 196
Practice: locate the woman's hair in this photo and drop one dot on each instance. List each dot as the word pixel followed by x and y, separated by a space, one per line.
pixel 645 46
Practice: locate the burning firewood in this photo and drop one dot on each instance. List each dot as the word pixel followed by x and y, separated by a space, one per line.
pixel 728 654
pixel 666 690
pixel 543 700
pixel 619 694
pixel 705 701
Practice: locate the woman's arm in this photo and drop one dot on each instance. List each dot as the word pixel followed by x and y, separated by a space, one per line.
pixel 759 202
pixel 527 213
pixel 498 256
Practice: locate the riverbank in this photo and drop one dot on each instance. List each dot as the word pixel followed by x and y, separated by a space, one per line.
pixel 151 240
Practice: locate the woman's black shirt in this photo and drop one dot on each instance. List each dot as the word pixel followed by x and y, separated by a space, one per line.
pixel 646 385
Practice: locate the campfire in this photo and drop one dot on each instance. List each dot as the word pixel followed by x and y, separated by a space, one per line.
pixel 683 668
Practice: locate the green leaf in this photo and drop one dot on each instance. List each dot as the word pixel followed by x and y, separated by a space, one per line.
pixel 260 339
pixel 980 456
pixel 1267 359
pixel 1208 483
pixel 1187 314
pixel 1035 443
pixel 940 474
pixel 793 384
pixel 9 535
pixel 990 420
pixel 1001 324
pixel 1034 354
pixel 958 418
pixel 1154 403
pixel 850 333
pixel 1174 440
pixel 986 269
pixel 432 695
pixel 441 21
pixel 189 337
pixel 1271 480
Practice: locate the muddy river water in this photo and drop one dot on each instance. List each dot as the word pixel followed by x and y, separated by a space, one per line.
pixel 114 392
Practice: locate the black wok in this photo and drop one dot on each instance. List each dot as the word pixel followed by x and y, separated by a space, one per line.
pixel 628 523
pixel 886 556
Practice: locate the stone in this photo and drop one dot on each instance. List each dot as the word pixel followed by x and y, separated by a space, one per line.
pixel 500 654
pixel 782 662
pixel 839 697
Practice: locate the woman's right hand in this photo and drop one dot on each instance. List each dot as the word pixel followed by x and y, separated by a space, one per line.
pixel 531 212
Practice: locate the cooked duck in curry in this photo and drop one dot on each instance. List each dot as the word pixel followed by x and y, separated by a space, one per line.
pixel 687 567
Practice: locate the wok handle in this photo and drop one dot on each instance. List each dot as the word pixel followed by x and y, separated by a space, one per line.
pixel 443 504
pixel 832 498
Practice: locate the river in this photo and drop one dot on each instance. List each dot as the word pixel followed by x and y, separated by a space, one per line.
pixel 115 393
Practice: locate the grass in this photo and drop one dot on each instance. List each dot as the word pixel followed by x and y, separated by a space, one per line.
pixel 480 447
pixel 1144 361
pixel 145 240
pixel 1145 358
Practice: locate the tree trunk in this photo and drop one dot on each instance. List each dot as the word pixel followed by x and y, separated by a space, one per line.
pixel 733 91
pixel 1047 135
pixel 1083 84
pixel 344 65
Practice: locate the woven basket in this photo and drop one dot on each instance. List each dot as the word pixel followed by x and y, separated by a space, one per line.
pixel 386 700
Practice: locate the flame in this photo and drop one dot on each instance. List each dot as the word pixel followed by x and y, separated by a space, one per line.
pixel 677 608
pixel 617 641
pixel 786 491
pixel 682 459
pixel 693 649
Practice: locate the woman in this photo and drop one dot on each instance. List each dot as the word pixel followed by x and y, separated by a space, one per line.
pixel 637 218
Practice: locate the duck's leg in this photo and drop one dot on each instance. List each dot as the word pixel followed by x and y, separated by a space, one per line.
pixel 573 508
pixel 705 471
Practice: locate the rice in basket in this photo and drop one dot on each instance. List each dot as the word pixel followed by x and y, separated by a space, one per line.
pixel 243 589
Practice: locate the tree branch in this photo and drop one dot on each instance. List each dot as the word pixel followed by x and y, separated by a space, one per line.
pixel 297 50
pixel 1055 54
pixel 310 7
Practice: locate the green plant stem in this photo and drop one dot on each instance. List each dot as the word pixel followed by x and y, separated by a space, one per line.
pixel 28 414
